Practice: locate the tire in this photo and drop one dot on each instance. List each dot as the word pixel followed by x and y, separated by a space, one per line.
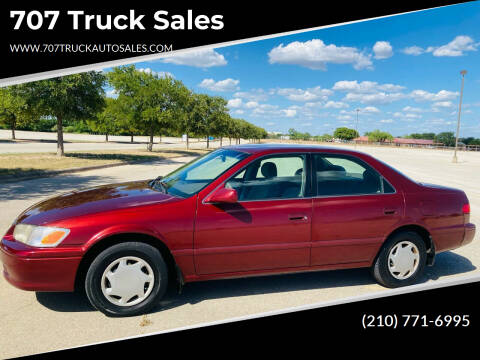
pixel 410 252
pixel 126 279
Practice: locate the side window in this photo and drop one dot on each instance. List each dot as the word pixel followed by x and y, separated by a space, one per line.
pixel 387 188
pixel 345 175
pixel 274 177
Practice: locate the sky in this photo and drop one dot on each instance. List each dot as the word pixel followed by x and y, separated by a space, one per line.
pixel 402 73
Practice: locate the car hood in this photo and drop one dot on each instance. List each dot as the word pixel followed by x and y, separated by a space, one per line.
pixel 94 200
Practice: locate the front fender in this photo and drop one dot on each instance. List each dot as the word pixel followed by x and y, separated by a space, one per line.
pixel 120 230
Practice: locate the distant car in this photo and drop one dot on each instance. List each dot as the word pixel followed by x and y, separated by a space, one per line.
pixel 237 211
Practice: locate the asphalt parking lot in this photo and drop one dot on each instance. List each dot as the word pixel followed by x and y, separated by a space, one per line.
pixel 37 322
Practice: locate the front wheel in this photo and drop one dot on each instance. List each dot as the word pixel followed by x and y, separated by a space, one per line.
pixel 126 279
pixel 401 260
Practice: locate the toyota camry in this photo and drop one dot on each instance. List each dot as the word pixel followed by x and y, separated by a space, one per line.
pixel 238 211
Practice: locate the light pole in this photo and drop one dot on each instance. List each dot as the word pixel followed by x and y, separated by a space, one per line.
pixel 356 128
pixel 463 72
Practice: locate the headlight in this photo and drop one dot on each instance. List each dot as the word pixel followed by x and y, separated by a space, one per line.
pixel 39 236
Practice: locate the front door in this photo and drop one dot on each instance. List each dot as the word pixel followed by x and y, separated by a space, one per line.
pixel 268 228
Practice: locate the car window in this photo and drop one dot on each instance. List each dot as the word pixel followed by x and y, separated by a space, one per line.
pixel 346 175
pixel 286 166
pixel 274 177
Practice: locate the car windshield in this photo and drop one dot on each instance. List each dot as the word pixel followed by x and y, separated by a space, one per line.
pixel 194 176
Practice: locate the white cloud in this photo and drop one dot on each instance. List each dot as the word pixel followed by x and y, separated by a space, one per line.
pixel 365 110
pixel 315 54
pixel 443 104
pixel 289 112
pixel 251 104
pixel 335 105
pixel 317 104
pixel 222 85
pixel 376 98
pixel 365 87
pixel 382 50
pixel 387 121
pixel 407 116
pixel 145 70
pixel 370 92
pixel 311 94
pixel 160 74
pixel 370 109
pixel 412 109
pixel 412 116
pixel 456 47
pixel 442 95
pixel 413 50
pixel 239 112
pixel 267 110
pixel 234 103
pixel 198 58
pixel 254 95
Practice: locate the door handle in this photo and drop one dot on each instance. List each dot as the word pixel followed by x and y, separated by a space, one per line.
pixel 298 217
pixel 389 211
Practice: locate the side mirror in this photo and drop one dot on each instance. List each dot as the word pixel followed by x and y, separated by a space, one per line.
pixel 223 195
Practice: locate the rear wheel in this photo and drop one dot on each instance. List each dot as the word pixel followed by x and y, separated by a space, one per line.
pixel 126 279
pixel 401 260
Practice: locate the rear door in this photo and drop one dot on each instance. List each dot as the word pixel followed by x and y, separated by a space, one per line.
pixel 270 226
pixel 354 209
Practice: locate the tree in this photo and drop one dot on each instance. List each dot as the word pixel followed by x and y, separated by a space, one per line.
pixel 13 109
pixel 345 133
pixel 184 116
pixel 209 114
pixel 379 136
pixel 427 136
pixel 294 134
pixel 323 138
pixel 127 119
pixel 231 130
pixel 297 135
pixel 259 133
pixel 72 97
pixel 470 141
pixel 106 122
pixel 220 125
pixel 446 138
pixel 153 100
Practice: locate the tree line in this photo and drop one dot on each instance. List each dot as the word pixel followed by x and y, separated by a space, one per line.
pixel 447 138
pixel 345 133
pixel 144 104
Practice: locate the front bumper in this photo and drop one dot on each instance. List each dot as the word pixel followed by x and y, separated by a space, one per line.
pixel 28 268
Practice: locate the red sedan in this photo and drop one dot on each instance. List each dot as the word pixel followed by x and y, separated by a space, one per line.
pixel 237 211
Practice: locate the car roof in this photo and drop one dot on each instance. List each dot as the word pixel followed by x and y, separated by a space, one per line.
pixel 276 147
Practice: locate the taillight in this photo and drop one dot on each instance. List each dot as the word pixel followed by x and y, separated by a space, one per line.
pixel 466 209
